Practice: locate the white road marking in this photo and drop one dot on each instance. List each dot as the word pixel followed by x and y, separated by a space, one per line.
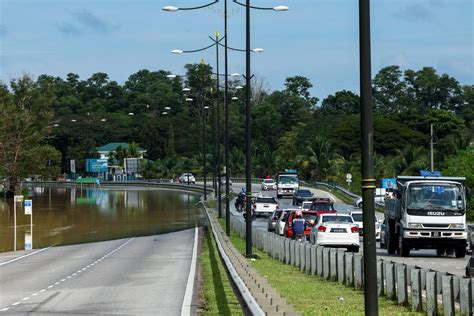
pixel 30 254
pixel 188 294
pixel 68 277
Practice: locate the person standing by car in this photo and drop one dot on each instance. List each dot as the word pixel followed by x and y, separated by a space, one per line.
pixel 298 225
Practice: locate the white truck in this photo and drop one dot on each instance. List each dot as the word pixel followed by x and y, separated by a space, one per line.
pixel 287 183
pixel 427 213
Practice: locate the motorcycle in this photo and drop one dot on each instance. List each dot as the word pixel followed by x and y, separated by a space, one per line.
pixel 300 237
pixel 240 204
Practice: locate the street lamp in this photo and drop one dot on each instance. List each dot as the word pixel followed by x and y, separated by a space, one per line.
pixel 235 98
pixel 171 8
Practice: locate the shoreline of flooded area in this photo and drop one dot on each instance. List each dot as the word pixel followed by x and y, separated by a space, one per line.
pixel 71 215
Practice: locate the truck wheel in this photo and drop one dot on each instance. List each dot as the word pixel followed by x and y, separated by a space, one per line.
pixel 460 252
pixel 391 244
pixel 449 252
pixel 440 252
pixel 278 196
pixel 403 248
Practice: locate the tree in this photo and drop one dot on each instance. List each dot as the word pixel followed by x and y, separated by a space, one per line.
pixel 389 90
pixel 25 116
pixel 341 103
pixel 299 86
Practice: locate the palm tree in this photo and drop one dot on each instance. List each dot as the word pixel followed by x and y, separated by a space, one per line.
pixel 237 162
pixel 321 159
pixel 410 160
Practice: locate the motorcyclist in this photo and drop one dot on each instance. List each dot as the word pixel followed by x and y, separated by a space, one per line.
pixel 240 199
pixel 298 224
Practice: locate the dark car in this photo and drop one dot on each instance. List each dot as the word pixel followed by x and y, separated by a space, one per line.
pixel 322 205
pixel 301 195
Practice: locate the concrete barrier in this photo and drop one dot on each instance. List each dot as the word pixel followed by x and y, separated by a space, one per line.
pixel 302 255
pixel 402 286
pixel 319 260
pixel 390 278
pixel 292 252
pixel 314 260
pixel 333 264
pixel 431 294
pixel 326 264
pixel 287 251
pixel 416 290
pixel 307 252
pixel 358 271
pixel 380 278
pixel 349 258
pixel 448 295
pixel 341 271
pixel 466 298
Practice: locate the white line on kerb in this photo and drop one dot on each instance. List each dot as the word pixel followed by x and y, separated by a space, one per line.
pixel 188 295
pixel 30 254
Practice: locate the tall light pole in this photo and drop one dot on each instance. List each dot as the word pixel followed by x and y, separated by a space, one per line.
pixel 248 125
pixel 368 178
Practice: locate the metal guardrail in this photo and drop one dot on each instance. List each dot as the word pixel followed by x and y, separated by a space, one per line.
pixel 245 292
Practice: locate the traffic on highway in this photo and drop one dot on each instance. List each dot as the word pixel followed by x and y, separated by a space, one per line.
pixel 337 219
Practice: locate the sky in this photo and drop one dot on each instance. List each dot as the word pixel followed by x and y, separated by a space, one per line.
pixel 317 39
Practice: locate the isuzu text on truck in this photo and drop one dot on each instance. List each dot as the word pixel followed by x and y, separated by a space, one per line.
pixel 427 213
pixel 287 183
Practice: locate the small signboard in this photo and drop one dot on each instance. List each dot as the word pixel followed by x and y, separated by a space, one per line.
pixel 97 165
pixel 28 241
pixel 28 207
pixel 388 183
pixel 73 166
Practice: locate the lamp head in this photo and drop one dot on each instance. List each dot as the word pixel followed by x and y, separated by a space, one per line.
pixel 281 8
pixel 257 50
pixel 177 51
pixel 170 8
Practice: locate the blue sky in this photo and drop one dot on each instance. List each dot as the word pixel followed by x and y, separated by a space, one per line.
pixel 315 38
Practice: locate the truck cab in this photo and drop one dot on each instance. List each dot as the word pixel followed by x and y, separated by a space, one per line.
pixel 287 183
pixel 427 213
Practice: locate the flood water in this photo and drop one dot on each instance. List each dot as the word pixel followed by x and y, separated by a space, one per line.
pixel 63 216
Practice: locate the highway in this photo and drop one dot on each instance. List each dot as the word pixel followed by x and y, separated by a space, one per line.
pixel 423 258
pixel 133 276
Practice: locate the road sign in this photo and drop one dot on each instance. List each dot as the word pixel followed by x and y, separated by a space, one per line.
pixel 73 166
pixel 28 241
pixel 28 207
pixel 97 165
pixel 349 176
pixel 18 198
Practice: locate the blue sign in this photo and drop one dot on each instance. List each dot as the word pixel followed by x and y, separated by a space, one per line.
pixel 388 183
pixel 97 165
pixel 425 173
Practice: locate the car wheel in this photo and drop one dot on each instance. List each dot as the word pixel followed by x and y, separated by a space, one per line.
pixel 460 252
pixel 359 205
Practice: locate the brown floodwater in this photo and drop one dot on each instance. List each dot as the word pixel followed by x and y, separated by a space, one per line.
pixel 64 216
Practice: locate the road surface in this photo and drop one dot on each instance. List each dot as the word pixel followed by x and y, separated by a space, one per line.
pixel 134 276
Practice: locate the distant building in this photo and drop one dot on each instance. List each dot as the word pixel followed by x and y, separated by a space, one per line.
pixel 105 150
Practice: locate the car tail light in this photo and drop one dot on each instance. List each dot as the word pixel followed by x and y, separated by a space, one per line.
pixel 254 205
pixel 322 229
pixel 354 229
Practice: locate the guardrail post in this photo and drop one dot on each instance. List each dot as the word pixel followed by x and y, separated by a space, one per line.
pixel 380 278
pixel 431 294
pixel 466 297
pixel 313 259
pixel 287 251
pixel 448 295
pixel 319 260
pixel 402 290
pixel 297 254
pixel 308 257
pixel 358 271
pixel 416 291
pixel 340 265
pixel 333 263
pixel 349 269
pixel 302 255
pixel 282 248
pixel 293 252
pixel 326 266
pixel 390 275
pixel 456 286
pixel 439 284
pixel 273 247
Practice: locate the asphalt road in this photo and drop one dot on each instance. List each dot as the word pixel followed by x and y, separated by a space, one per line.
pixel 135 276
pixel 423 258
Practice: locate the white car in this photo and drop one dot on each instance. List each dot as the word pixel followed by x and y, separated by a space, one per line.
pixel 335 230
pixel 187 178
pixel 280 224
pixel 269 184
pixel 306 205
pixel 265 205
pixel 358 219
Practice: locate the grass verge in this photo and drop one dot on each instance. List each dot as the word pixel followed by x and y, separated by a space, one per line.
pixel 217 290
pixel 311 294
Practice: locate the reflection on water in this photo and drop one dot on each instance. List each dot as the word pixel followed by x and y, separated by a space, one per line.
pixel 70 215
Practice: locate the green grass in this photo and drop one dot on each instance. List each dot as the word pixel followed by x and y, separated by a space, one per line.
pixel 217 291
pixel 311 294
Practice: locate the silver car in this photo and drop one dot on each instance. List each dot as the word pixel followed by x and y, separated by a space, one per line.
pixel 273 220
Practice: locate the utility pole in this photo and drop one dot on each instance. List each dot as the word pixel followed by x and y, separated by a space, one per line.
pixel 368 177
pixel 431 147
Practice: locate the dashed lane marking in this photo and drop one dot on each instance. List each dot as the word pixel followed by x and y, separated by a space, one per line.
pixel 62 280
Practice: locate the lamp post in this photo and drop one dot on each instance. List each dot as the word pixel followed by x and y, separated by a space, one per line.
pixel 248 123
pixel 368 180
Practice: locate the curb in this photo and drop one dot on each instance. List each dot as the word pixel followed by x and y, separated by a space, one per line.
pixel 261 298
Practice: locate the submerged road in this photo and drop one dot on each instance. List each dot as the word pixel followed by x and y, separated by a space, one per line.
pixel 133 276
